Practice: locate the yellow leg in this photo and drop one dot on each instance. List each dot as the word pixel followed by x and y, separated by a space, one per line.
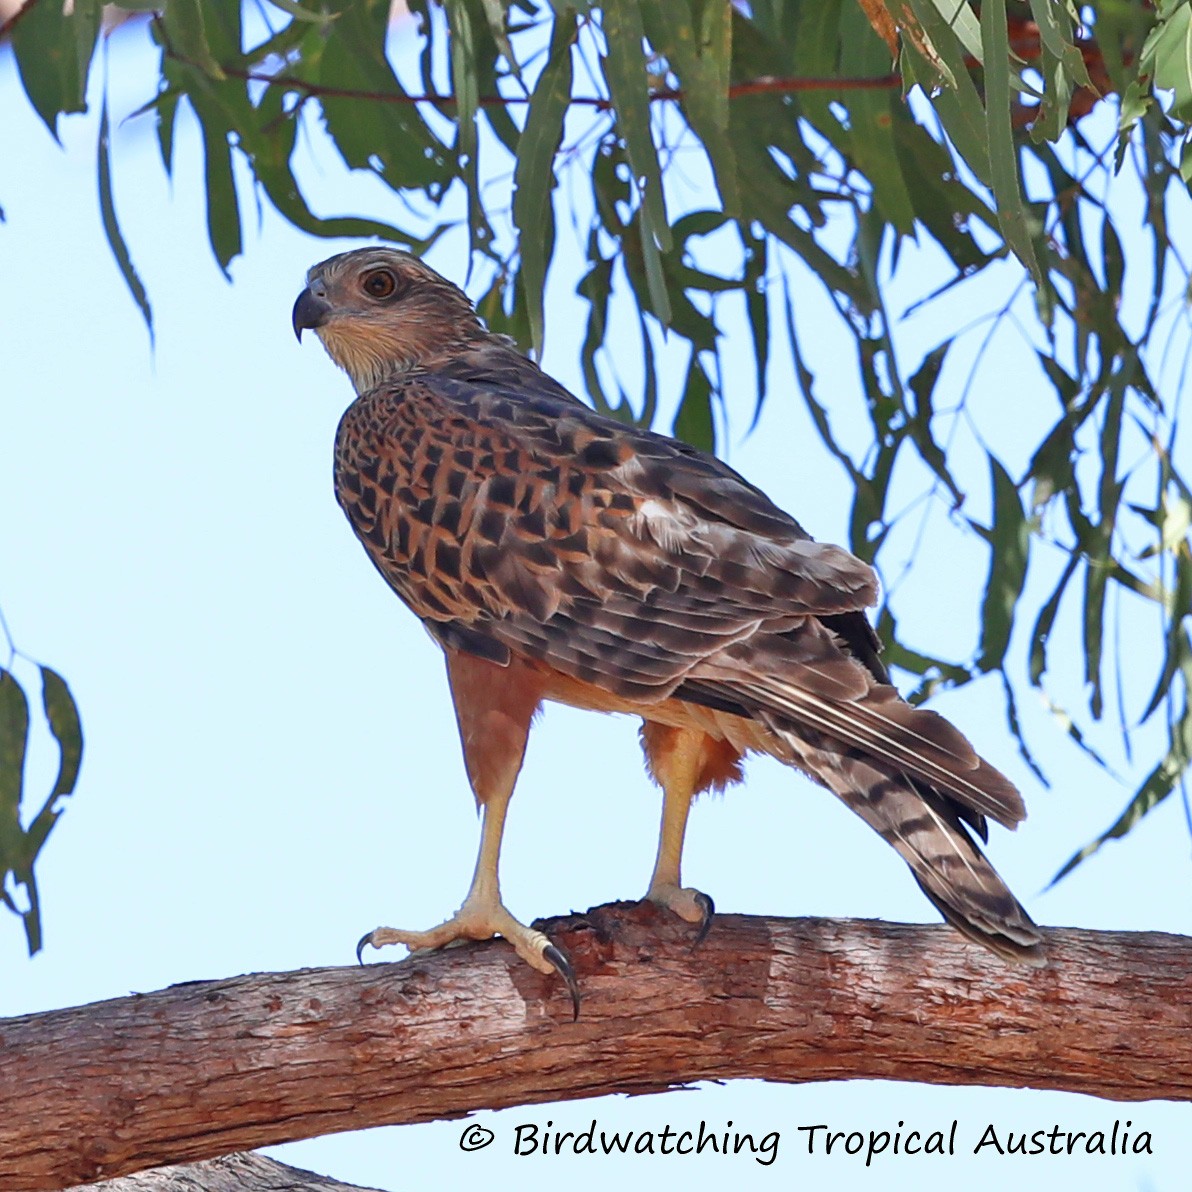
pixel 677 768
pixel 482 914
pixel 494 719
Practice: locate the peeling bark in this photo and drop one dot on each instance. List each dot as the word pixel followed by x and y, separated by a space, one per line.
pixel 230 1173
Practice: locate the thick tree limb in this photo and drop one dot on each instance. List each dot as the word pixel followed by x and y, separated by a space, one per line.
pixel 229 1173
pixel 204 1069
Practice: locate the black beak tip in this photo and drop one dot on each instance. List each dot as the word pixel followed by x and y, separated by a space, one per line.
pixel 310 311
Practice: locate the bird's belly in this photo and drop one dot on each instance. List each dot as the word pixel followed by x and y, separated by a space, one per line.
pixel 746 735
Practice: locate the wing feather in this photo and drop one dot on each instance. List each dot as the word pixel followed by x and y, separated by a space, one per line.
pixel 606 552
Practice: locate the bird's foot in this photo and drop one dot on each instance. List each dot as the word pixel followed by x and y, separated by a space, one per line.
pixel 693 905
pixel 481 920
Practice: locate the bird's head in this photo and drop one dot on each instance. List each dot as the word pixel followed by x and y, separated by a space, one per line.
pixel 380 312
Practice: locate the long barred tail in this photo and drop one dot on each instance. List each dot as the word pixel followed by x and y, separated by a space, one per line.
pixel 926 830
pixel 917 782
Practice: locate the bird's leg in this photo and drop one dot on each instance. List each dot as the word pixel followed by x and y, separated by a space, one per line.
pixel 494 707
pixel 676 759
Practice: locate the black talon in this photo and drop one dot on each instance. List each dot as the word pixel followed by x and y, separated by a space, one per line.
pixel 564 969
pixel 705 904
pixel 364 939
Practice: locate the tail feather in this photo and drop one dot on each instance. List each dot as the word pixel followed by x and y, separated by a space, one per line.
pixel 906 771
pixel 915 740
pixel 916 781
pixel 926 831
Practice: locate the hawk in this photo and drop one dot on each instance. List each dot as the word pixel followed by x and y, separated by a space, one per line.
pixel 556 554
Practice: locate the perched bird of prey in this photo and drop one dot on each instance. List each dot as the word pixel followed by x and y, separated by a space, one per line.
pixel 556 554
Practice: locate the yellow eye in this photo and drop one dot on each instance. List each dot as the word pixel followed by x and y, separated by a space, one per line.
pixel 380 283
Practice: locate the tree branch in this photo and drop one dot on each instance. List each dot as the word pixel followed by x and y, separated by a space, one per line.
pixel 230 1173
pixel 211 1067
pixel 1024 41
pixel 766 84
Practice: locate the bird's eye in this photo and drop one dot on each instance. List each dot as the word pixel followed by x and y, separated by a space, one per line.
pixel 380 283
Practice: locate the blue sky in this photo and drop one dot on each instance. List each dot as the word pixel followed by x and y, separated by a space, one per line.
pixel 272 764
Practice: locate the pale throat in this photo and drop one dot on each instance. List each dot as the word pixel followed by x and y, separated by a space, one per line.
pixel 371 358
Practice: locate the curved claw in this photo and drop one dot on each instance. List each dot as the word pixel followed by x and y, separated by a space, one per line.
pixel 564 969
pixel 706 905
pixel 364 939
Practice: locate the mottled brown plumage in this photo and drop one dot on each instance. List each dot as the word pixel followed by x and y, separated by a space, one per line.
pixel 558 554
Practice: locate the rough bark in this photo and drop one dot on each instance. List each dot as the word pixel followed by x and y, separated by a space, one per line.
pixel 208 1068
pixel 229 1173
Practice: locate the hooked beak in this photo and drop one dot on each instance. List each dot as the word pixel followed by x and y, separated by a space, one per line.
pixel 311 310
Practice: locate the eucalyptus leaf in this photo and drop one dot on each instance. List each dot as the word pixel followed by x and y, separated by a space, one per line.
pixel 111 226
pixel 533 179
pixel 1009 548
pixel 625 72
pixel 53 49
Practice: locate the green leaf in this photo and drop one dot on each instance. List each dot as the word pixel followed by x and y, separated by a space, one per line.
pixel 495 15
pixel 1054 22
pixel 769 198
pixel 757 310
pixel 534 178
pixel 1003 154
pixel 1045 622
pixel 1062 68
pixel 1015 726
pixel 111 227
pixel 491 41
pixel 14 736
pixel 819 416
pixel 693 422
pixel 166 113
pixel 963 23
pixel 19 847
pixel 660 302
pixel 701 55
pixel 1177 642
pixel 959 106
pixel 942 203
pixel 1096 542
pixel 386 134
pixel 937 673
pixel 628 84
pixel 595 288
pixel 1114 258
pixel 186 28
pixel 1158 784
pixel 63 715
pixel 54 50
pixel 266 133
pixel 223 207
pixel 1009 548
pixel 1168 55
pixel 1136 101
pixel 922 385
pixel 871 118
pixel 465 85
pixel 919 60
pixel 302 14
